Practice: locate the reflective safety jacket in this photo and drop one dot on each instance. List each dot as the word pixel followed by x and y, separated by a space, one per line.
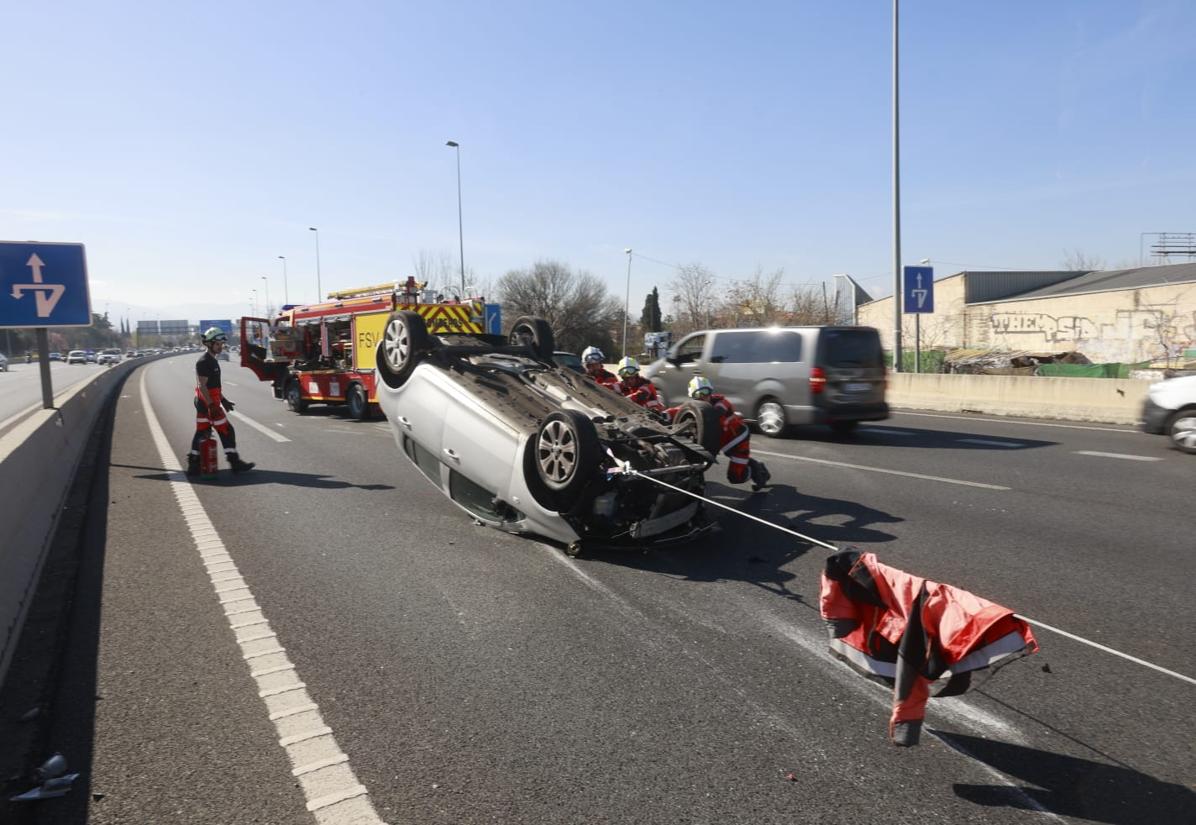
pixel 605 377
pixel 641 391
pixel 911 631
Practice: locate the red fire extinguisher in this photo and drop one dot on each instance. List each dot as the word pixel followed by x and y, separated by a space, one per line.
pixel 208 464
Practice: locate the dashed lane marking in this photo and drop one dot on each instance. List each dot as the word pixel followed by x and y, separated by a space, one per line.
pixel 885 471
pixel 331 790
pixel 1124 456
pixel 261 428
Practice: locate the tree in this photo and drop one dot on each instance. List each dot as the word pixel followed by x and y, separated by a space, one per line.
pixel 575 304
pixel 1076 260
pixel 650 320
pixel 757 300
pixel 694 296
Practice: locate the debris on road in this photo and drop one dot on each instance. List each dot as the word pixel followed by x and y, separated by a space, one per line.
pixel 54 779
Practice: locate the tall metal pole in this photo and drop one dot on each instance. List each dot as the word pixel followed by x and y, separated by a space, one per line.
pixel 460 224
pixel 43 366
pixel 267 280
pixel 896 204
pixel 319 289
pixel 626 301
pixel 286 292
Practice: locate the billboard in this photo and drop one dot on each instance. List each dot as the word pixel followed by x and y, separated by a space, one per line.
pixel 221 324
pixel 147 327
pixel 173 327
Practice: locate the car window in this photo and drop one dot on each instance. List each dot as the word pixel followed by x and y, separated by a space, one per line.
pixel 756 347
pixel 690 349
pixel 851 348
pixel 423 459
pixel 478 500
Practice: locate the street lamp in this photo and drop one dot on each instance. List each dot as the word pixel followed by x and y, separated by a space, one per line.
pixel 267 280
pixel 626 301
pixel 319 290
pixel 460 226
pixel 253 302
pixel 286 293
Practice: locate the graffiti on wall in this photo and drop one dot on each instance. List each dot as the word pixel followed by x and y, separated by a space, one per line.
pixel 1132 335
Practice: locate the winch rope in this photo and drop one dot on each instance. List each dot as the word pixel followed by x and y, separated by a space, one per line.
pixel 811 540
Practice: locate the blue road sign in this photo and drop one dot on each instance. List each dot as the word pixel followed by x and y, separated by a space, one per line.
pixel 493 319
pixel 918 289
pixel 223 324
pixel 43 285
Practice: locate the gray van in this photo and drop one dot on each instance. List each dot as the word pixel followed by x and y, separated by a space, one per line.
pixel 783 375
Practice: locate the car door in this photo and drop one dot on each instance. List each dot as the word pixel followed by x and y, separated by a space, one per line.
pixel 479 451
pixel 684 361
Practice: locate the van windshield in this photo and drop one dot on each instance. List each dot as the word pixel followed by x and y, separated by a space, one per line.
pixel 852 348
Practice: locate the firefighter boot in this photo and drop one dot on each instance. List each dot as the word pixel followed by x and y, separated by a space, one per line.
pixel 192 464
pixel 237 465
pixel 760 474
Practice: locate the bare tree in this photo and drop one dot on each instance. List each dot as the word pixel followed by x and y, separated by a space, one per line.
pixel 757 301
pixel 575 304
pixel 1076 260
pixel 694 297
pixel 808 306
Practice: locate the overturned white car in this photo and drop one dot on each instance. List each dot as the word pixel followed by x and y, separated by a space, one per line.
pixel 526 446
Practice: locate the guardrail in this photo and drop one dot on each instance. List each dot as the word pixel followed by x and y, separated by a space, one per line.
pixel 38 458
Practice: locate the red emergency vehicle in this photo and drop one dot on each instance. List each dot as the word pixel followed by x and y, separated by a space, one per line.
pixel 325 353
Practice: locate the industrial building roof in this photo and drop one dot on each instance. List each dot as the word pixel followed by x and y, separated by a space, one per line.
pixel 994 285
pixel 1099 281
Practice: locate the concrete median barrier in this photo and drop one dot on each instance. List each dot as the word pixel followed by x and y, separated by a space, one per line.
pixel 38 459
pixel 1105 400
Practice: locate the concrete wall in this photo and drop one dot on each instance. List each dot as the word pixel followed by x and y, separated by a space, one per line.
pixel 941 328
pixel 38 458
pixel 1107 400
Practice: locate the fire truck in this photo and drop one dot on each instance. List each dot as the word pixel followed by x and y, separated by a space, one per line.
pixel 325 353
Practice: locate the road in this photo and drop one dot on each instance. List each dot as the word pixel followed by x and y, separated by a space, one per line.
pixel 22 384
pixel 469 676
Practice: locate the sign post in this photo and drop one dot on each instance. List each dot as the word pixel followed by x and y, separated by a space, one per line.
pixel 44 285
pixel 919 298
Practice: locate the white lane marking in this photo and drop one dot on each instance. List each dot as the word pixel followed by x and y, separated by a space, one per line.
pixel 986 442
pixel 261 428
pixel 885 471
pixel 332 792
pixel 1125 456
pixel 1106 649
pixel 1022 423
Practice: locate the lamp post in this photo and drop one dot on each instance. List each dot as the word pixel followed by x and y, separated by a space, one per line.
pixel 460 225
pixel 253 301
pixel 267 280
pixel 286 293
pixel 319 290
pixel 626 300
pixel 896 204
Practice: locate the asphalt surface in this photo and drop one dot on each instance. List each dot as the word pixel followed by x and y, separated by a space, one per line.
pixel 471 676
pixel 22 385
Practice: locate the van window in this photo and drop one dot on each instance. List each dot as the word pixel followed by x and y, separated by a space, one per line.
pixel 851 348
pixel 690 349
pixel 756 347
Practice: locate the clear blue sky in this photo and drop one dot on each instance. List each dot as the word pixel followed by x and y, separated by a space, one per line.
pixel 188 145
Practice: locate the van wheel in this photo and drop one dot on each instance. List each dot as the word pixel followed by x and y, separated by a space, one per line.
pixel 771 418
pixel 404 339
pixel 844 427
pixel 698 421
pixel 295 400
pixel 567 455
pixel 359 406
pixel 1182 430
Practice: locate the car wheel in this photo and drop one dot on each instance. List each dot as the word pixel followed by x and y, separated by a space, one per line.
pixel 1182 430
pixel 771 418
pixel 567 454
pixel 295 400
pixel 537 334
pixel 404 339
pixel 844 427
pixel 698 421
pixel 359 405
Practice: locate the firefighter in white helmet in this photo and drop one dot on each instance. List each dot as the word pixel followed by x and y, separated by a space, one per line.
pixel 735 437
pixel 636 387
pixel 594 360
pixel 210 405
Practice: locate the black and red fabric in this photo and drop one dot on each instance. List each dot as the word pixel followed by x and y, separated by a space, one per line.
pixel 735 438
pixel 604 377
pixel 912 631
pixel 211 416
pixel 641 391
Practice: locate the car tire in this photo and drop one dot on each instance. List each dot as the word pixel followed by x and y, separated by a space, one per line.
pixel 567 453
pixel 294 396
pixel 405 337
pixel 535 333
pixel 698 421
pixel 1181 429
pixel 771 418
pixel 844 427
pixel 359 405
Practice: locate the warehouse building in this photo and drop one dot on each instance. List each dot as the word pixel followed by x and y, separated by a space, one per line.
pixel 1125 315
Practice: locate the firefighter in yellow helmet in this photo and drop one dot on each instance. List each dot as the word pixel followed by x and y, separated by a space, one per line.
pixel 210 406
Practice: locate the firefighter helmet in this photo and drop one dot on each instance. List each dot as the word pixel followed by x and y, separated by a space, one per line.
pixel 700 386
pixel 213 334
pixel 592 355
pixel 628 366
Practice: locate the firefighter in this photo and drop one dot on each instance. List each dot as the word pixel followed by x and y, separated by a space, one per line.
pixel 210 405
pixel 636 387
pixel 593 359
pixel 736 437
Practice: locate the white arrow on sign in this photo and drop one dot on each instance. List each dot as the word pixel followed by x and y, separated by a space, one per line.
pixel 920 294
pixel 46 295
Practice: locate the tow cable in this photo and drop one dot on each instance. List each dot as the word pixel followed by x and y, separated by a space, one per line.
pixel 625 468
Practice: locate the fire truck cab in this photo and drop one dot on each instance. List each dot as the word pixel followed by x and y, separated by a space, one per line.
pixel 325 353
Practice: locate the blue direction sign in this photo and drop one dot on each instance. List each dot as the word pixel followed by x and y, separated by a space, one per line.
pixel 918 288
pixel 43 285
pixel 223 324
pixel 493 319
